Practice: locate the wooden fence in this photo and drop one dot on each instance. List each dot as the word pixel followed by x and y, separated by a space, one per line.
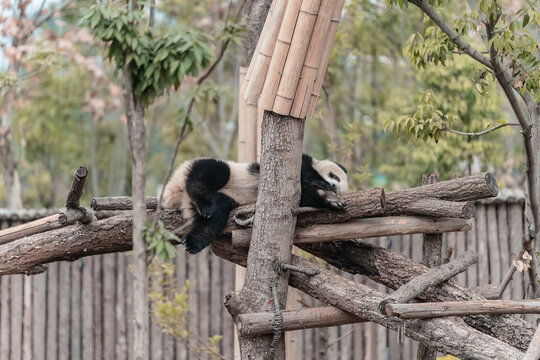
pixel 81 310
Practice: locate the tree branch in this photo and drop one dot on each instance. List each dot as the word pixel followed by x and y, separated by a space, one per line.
pixel 480 133
pixel 452 34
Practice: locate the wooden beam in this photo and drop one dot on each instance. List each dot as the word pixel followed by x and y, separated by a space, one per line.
pixel 366 228
pixel 433 277
pixel 119 203
pixel 463 308
pixel 307 318
pixel 362 301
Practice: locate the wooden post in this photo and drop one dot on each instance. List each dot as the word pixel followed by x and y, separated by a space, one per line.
pixel 431 256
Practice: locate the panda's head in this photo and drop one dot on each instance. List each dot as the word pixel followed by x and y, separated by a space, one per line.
pixel 334 173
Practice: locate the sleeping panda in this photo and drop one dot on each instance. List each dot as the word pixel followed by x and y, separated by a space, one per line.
pixel 207 190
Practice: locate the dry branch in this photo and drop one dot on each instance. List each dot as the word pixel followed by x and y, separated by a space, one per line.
pixel 444 335
pixel 463 308
pixel 365 228
pixel 433 207
pixel 307 318
pixel 30 228
pixel 394 270
pixel 433 277
pixel 77 187
pixel 120 203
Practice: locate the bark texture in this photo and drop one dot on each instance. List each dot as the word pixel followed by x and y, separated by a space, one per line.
pixel 394 270
pixel 137 135
pixel 446 336
pixel 273 231
pixel 255 12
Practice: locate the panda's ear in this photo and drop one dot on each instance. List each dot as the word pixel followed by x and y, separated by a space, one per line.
pixel 341 166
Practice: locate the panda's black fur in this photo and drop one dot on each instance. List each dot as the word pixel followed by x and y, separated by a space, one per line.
pixel 207 190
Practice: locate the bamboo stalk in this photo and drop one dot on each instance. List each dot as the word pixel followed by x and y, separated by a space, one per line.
pixel 308 318
pixel 463 308
pixel 313 58
pixel 275 70
pixel 265 50
pixel 297 54
pixel 365 228
pixel 325 58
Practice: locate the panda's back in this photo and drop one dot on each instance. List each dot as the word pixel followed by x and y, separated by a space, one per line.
pixel 243 182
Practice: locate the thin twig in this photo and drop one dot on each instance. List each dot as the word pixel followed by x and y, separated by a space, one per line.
pixel 487 131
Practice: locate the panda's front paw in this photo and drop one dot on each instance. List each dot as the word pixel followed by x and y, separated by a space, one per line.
pixel 331 199
pixel 206 210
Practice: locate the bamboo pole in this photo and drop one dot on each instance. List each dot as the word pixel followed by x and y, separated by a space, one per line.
pixel 313 59
pixel 297 54
pixel 264 51
pixel 325 57
pixel 366 228
pixel 463 308
pixel 275 70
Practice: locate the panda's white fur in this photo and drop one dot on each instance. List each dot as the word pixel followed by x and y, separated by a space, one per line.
pixel 319 178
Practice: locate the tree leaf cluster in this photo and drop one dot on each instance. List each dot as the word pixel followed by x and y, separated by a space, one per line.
pixel 160 241
pixel 156 62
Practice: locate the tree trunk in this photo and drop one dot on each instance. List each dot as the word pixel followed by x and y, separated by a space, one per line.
pixel 10 172
pixel 136 133
pixel 273 230
pixel 255 12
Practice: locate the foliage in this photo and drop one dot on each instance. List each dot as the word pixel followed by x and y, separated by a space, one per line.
pixel 160 241
pixel 170 308
pixel 156 62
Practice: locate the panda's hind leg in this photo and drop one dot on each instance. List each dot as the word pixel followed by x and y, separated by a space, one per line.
pixel 204 230
pixel 205 178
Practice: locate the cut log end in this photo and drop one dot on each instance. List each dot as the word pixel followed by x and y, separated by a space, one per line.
pixel 81 172
pixel 492 184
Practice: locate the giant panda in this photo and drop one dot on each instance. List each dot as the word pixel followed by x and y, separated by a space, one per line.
pixel 207 190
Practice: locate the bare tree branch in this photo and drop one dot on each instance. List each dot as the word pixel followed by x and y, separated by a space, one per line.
pixel 480 133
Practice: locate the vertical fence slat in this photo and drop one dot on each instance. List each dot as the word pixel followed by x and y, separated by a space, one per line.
pixel 380 337
pixel 52 311
pixel 4 315
pixel 16 294
pixel 120 309
pixel 494 246
pixel 39 315
pixel 471 244
pixel 460 249
pixel 27 319
pixel 76 307
pixel 181 276
pixel 228 271
pixel 482 244
pixel 504 244
pixel 98 307
pixel 193 277
pixel 87 302
pixel 64 291
pixel 109 305
pixel 129 305
pixel 204 297
pixel 216 299
pixel 516 238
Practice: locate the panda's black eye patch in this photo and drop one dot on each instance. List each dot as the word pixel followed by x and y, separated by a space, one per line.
pixel 334 176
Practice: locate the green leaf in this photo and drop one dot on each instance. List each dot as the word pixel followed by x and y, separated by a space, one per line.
pixel 526 19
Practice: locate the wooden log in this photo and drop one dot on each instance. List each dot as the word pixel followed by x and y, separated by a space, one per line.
pixel 119 203
pixel 434 207
pixel 361 204
pixel 467 188
pixel 296 56
pixel 275 70
pixel 365 228
pixel 433 277
pixel 459 339
pixel 394 269
pixel 463 308
pixel 307 318
pixel 77 187
pixel 490 291
pixel 325 57
pixel 72 215
pixel 27 229
pixel 533 351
